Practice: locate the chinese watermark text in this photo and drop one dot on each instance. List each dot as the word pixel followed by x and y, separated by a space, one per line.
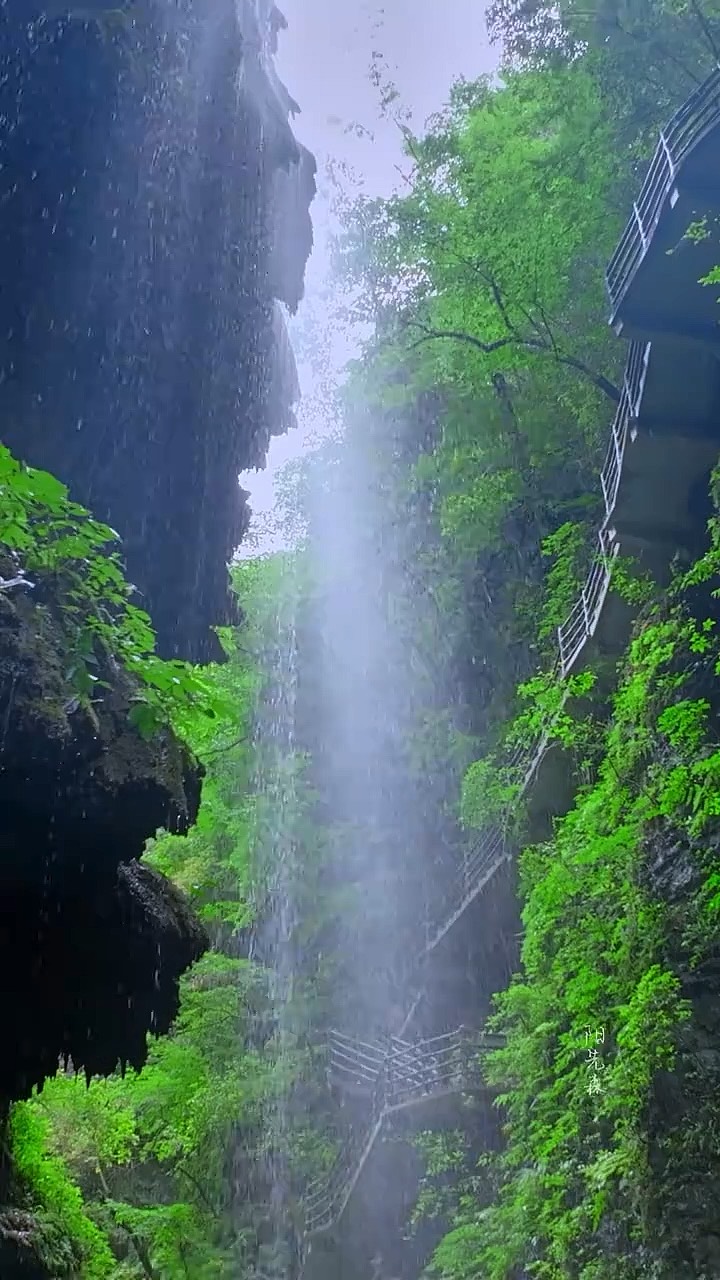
pixel 594 1063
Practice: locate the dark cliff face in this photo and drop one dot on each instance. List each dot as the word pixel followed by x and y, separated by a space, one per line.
pixel 682 1111
pixel 154 204
pixel 91 942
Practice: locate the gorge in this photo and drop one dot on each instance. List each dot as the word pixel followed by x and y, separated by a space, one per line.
pixel 360 900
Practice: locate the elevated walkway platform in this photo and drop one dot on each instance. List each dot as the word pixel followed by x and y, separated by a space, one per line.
pixel 653 276
pixel 408 1076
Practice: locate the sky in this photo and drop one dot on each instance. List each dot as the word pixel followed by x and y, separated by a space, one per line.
pixel 324 59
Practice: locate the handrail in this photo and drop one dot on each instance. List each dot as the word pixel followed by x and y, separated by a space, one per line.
pixel 490 850
pixel 409 1072
pixel 353 1061
pixel 690 124
pixel 685 131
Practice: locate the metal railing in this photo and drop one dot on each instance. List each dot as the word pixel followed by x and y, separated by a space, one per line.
pixel 354 1062
pixel 582 621
pixel 326 1197
pixel 484 858
pixel 635 375
pixel 687 128
pixel 626 414
pixel 583 618
pixel 407 1073
pixel 490 850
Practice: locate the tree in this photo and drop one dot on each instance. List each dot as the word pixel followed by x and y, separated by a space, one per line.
pixel 484 282
pixel 645 56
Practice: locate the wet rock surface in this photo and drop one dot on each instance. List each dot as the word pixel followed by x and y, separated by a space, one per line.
pixel 155 206
pixel 95 963
pixel 683 1101
pixel 91 942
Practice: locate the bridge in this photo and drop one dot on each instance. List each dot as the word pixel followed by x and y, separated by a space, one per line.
pixel 662 445
pixel 404 1071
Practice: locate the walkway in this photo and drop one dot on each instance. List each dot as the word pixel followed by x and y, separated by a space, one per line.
pixel 647 277
pixel 394 1076
pixel 492 850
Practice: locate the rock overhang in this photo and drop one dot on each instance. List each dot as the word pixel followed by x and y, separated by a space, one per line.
pixel 92 943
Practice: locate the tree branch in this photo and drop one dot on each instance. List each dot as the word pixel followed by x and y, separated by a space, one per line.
pixel 662 48
pixel 228 747
pixel 139 1245
pixel 598 380
pixel 498 298
pixel 487 347
pixel 199 1189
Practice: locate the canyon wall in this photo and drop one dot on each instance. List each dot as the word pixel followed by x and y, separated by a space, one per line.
pixel 153 212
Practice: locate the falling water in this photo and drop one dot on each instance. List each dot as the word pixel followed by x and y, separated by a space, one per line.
pixel 275 874
pixel 371 695
pixel 373 690
pixel 348 620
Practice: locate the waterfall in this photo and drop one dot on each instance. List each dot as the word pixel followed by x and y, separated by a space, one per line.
pixel 275 873
pixel 371 698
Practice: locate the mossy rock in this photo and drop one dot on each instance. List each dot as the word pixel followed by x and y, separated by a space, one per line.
pixel 35 1247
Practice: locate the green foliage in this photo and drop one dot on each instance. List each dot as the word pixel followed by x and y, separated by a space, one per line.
pixel 631 586
pixel 596 976
pixel 545 711
pixel 684 724
pixel 167 1129
pixel 445 1158
pixel 699 231
pixel 57 1198
pixel 473 517
pixel 567 547
pixel 212 863
pixel 488 792
pixel 57 539
pixel 147 1157
pixel 437 738
pixel 645 58
pixel 476 277
pixel 491 787
pixel 712 277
